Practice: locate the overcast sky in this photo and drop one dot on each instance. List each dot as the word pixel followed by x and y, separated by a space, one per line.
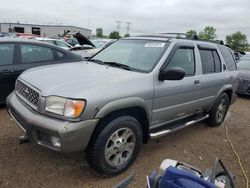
pixel 145 16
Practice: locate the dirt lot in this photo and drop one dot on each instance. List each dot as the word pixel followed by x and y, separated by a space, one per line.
pixel 29 165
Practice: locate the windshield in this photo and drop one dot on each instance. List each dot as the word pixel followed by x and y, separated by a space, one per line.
pixel 243 64
pixel 137 54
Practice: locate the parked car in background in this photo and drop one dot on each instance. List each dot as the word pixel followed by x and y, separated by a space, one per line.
pixel 77 38
pixel 4 34
pixel 135 89
pixel 238 54
pixel 17 55
pixel 99 45
pixel 244 69
pixel 246 57
pixel 26 35
pixel 57 42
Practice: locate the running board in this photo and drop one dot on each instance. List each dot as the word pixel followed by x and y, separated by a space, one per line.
pixel 155 135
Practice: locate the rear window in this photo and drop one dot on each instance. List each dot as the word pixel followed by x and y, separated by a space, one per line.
pixel 228 57
pixel 35 53
pixel 210 61
pixel 6 54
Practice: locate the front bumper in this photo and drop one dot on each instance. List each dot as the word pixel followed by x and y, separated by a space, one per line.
pixel 73 136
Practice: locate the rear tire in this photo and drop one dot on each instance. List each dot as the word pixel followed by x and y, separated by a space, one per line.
pixel 219 111
pixel 116 145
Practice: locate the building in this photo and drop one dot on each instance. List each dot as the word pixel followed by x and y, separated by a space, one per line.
pixel 42 30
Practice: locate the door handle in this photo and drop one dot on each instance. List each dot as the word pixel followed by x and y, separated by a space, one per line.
pixel 197 82
pixel 7 71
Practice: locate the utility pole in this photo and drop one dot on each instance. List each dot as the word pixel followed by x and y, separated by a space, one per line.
pixel 128 27
pixel 118 26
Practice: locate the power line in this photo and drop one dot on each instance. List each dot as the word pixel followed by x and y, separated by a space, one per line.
pixel 118 25
pixel 128 27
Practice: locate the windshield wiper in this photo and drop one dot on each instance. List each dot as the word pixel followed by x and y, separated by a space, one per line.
pixel 111 63
pixel 96 61
pixel 115 64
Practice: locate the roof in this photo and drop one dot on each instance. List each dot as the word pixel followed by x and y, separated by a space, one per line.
pixel 30 41
pixel 170 37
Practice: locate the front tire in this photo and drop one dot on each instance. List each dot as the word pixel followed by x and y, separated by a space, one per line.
pixel 116 146
pixel 219 111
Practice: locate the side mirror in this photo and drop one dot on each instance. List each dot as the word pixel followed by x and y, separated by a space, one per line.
pixel 174 73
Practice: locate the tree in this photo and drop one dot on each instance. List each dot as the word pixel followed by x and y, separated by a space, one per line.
pixel 191 33
pixel 208 33
pixel 237 41
pixel 99 32
pixel 127 35
pixel 114 35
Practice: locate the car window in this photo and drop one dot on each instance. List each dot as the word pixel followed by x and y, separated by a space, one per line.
pixel 62 44
pixel 228 57
pixel 6 54
pixel 50 41
pixel 210 61
pixel 183 58
pixel 217 61
pixel 60 54
pixel 34 53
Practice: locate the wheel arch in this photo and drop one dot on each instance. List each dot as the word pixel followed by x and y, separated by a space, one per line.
pixel 228 89
pixel 135 107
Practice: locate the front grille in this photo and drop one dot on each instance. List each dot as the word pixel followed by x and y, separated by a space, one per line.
pixel 29 94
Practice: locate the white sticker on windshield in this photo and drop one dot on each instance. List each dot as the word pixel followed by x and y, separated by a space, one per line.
pixel 154 45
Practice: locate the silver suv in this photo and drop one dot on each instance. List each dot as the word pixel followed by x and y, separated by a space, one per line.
pixel 135 89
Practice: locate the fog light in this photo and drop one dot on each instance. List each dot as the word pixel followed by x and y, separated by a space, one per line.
pixel 56 141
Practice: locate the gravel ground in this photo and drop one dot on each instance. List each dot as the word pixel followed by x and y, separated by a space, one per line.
pixel 29 165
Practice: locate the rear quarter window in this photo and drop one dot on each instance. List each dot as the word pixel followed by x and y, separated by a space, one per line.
pixel 228 57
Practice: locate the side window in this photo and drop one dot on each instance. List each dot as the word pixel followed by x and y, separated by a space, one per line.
pixel 34 53
pixel 217 61
pixel 184 58
pixel 6 54
pixel 228 57
pixel 62 44
pixel 210 61
pixel 60 55
pixel 50 41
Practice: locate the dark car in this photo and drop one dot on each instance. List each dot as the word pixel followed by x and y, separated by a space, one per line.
pixel 17 55
pixel 244 69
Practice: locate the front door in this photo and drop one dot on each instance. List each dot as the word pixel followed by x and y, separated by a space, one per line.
pixel 176 99
pixel 7 70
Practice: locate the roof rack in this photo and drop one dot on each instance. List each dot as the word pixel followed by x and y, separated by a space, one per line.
pixel 182 36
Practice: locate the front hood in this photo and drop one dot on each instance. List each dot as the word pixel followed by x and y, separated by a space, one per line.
pixel 75 79
pixel 244 74
pixel 83 40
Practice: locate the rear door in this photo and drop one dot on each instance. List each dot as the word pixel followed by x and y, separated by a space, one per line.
pixel 211 79
pixel 7 70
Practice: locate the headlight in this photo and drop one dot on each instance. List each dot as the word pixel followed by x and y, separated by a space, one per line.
pixel 64 107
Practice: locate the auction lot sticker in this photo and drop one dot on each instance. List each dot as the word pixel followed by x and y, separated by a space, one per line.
pixel 155 45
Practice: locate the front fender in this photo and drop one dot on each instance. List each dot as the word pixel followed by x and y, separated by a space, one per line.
pixel 121 104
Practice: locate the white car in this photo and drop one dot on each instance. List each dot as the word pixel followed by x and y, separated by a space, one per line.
pixel 56 42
